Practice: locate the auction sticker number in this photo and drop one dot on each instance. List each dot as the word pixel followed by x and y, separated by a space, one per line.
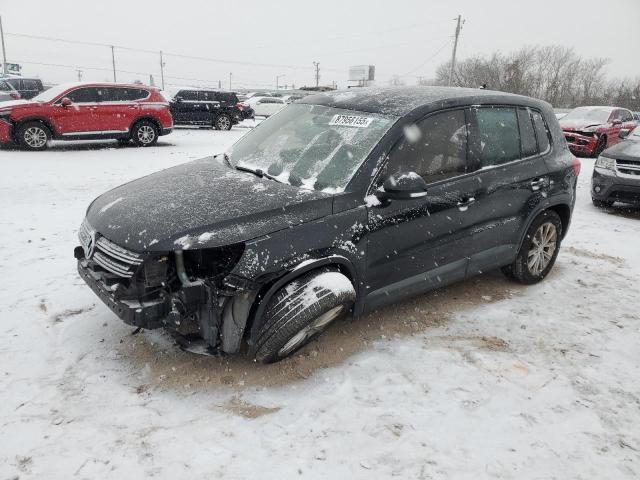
pixel 351 121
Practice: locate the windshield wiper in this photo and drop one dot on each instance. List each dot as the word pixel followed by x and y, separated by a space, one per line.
pixel 259 173
pixel 226 158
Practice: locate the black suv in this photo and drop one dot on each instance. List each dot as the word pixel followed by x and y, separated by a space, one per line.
pixel 342 202
pixel 616 175
pixel 26 87
pixel 218 109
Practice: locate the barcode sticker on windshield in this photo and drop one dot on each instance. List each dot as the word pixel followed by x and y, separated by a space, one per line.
pixel 351 121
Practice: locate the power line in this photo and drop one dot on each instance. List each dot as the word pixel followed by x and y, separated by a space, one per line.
pixel 427 60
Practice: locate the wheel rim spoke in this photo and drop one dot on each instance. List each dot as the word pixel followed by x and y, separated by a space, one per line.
pixel 543 247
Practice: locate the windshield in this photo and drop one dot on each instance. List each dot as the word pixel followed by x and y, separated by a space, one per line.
pixel 51 93
pixel 588 114
pixel 311 146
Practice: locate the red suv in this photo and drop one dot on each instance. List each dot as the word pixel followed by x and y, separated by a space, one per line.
pixel 86 111
pixel 589 130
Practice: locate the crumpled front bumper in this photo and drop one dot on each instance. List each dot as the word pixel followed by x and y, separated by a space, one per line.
pixel 149 314
pixel 581 144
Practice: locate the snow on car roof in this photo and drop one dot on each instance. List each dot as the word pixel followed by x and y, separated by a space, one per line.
pixel 402 100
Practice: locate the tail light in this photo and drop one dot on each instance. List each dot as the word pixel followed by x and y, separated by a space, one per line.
pixel 576 165
pixel 240 106
pixel 15 95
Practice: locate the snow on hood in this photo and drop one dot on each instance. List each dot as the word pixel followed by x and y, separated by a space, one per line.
pixel 577 124
pixel 201 204
pixel 13 103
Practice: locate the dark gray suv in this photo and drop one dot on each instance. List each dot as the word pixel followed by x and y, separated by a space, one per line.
pixel 341 203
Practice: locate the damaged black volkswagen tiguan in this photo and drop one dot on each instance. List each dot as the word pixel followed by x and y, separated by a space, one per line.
pixel 340 203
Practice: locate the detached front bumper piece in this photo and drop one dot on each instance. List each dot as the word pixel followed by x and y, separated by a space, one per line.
pixel 148 314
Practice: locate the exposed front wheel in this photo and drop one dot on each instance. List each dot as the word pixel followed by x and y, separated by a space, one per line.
pixel 33 136
pixel 222 122
pixel 300 311
pixel 538 251
pixel 145 133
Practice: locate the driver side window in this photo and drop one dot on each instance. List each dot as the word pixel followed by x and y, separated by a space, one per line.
pixel 435 148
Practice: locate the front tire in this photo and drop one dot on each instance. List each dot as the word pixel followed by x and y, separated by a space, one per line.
pixel 145 133
pixel 300 311
pixel 538 251
pixel 33 136
pixel 223 122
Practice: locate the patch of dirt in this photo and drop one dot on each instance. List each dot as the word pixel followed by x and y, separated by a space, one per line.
pixel 580 252
pixel 247 410
pixel 72 312
pixel 171 368
pixel 465 342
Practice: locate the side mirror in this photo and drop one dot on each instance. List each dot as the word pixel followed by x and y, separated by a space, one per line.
pixel 66 102
pixel 617 122
pixel 623 133
pixel 403 186
pixel 178 99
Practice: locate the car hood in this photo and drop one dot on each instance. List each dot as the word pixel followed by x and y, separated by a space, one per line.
pixel 201 204
pixel 625 150
pixel 576 125
pixel 12 104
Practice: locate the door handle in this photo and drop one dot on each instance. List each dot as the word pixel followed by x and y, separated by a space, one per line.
pixel 464 204
pixel 538 183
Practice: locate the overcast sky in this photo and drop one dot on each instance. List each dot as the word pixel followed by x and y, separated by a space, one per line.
pixel 404 37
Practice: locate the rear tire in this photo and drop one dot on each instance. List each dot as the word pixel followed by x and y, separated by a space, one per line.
pixel 538 251
pixel 300 311
pixel 223 122
pixel 33 136
pixel 145 133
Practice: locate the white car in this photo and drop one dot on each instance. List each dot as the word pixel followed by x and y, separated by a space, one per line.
pixel 266 106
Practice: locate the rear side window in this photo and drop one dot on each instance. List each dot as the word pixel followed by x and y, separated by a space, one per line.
pixel 31 84
pixel 626 116
pixel 434 148
pixel 497 135
pixel 527 133
pixel 126 94
pixel 542 132
pixel 189 95
pixel 5 86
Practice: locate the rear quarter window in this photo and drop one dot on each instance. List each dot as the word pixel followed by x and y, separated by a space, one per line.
pixel 542 132
pixel 527 133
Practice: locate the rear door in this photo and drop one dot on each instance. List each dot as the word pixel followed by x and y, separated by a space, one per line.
pixel 418 244
pixel 118 108
pixel 513 177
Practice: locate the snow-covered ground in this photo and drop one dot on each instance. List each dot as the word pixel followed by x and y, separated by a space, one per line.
pixel 485 379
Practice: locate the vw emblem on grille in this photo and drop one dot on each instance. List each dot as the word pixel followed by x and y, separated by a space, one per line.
pixel 91 246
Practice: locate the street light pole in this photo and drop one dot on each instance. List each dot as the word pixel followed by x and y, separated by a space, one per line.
pixel 161 70
pixel 4 52
pixel 113 62
pixel 277 80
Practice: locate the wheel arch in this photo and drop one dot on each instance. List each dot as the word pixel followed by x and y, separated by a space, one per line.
pixel 43 120
pixel 342 264
pixel 151 119
pixel 560 207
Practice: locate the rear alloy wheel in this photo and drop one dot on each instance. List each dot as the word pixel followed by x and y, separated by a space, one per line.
pixel 33 136
pixel 300 311
pixel 538 251
pixel 145 133
pixel 222 122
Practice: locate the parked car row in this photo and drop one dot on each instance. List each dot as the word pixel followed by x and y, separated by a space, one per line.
pixel 128 113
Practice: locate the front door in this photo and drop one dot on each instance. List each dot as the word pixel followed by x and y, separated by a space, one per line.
pixel 418 244
pixel 79 117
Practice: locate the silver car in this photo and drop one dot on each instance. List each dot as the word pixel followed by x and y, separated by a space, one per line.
pixel 7 92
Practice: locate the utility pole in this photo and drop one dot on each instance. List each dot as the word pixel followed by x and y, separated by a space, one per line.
pixel 4 52
pixel 79 75
pixel 230 74
pixel 455 47
pixel 317 65
pixel 161 70
pixel 277 80
pixel 113 62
